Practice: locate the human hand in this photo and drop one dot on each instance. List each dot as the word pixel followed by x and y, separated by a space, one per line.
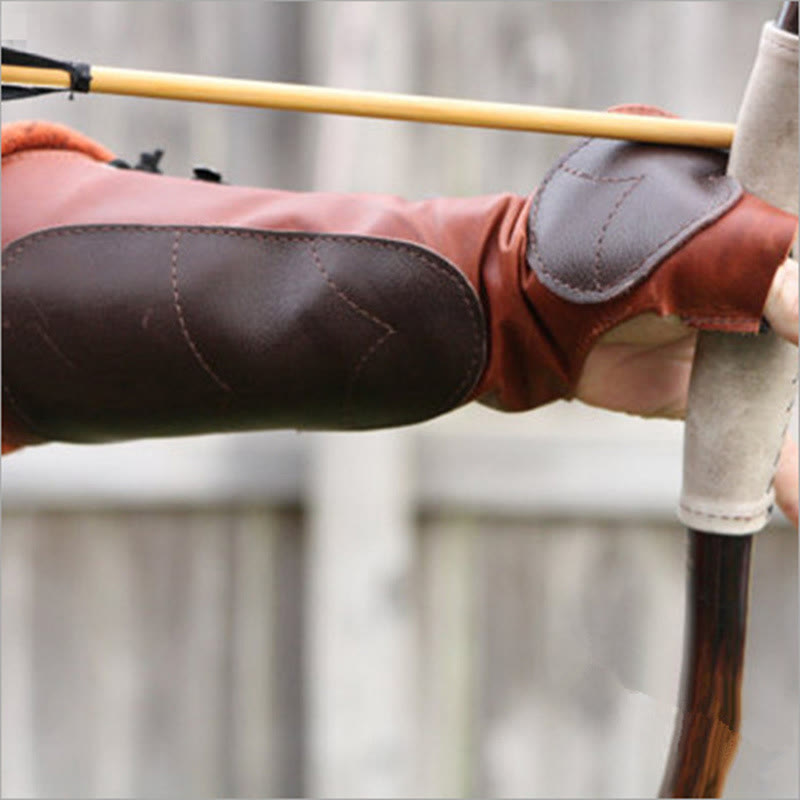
pixel 643 367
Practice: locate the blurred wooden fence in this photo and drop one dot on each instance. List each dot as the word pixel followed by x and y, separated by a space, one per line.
pixel 482 605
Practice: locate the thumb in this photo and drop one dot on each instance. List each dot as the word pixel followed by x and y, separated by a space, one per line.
pixel 781 308
pixel 786 492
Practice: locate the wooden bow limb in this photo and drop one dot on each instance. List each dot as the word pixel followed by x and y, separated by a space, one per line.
pixel 414 108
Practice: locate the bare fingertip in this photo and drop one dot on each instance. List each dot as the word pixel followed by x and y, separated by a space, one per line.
pixel 782 309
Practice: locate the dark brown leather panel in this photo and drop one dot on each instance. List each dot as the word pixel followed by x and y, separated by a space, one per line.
pixel 740 252
pixel 636 204
pixel 128 331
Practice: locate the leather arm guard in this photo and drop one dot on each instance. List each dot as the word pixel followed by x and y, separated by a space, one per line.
pixel 137 304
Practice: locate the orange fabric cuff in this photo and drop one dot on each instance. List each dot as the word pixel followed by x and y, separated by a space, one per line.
pixel 41 135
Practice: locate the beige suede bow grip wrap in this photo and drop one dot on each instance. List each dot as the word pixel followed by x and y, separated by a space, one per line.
pixel 743 388
pixel 139 304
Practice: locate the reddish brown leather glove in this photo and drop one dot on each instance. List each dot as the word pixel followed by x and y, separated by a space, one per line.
pixel 141 305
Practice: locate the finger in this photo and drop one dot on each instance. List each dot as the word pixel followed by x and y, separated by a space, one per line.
pixel 786 486
pixel 781 308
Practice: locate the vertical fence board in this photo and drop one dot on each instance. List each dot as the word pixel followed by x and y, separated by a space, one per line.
pixel 360 666
pixel 449 625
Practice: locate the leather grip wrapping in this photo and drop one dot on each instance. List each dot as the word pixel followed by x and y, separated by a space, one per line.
pixel 743 387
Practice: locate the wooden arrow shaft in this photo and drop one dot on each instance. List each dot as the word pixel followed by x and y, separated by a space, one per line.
pixel 416 108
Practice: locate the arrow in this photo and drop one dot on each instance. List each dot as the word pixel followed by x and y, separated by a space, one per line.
pixel 26 74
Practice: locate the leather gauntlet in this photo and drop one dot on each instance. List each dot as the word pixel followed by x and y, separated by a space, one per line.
pixel 137 304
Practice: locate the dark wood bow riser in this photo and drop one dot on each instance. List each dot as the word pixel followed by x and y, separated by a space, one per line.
pixel 707 732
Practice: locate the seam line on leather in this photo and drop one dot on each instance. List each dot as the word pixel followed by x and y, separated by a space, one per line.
pixel 552 276
pixel 736 322
pixel 343 295
pixel 176 303
pixel 577 173
pixel 713 515
pixel 388 330
pixel 560 167
pixel 598 246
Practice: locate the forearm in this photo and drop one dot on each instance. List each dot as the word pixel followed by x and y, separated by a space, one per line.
pixel 193 328
pixel 140 305
pixel 137 304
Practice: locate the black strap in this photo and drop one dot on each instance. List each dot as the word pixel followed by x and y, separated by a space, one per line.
pixel 80 74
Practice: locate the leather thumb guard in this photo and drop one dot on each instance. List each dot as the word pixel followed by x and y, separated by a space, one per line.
pixel 141 305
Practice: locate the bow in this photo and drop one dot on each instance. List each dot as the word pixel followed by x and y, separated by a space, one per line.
pixel 705 741
pixel 707 733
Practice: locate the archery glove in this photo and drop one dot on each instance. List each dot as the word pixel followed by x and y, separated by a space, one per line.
pixel 140 305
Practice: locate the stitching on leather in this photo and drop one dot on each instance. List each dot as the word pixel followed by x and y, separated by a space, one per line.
pixel 598 178
pixel 469 301
pixel 604 230
pixel 749 518
pixel 673 235
pixel 712 515
pixel 366 357
pixel 701 320
pixel 373 348
pixel 560 167
pixel 343 295
pixel 176 302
